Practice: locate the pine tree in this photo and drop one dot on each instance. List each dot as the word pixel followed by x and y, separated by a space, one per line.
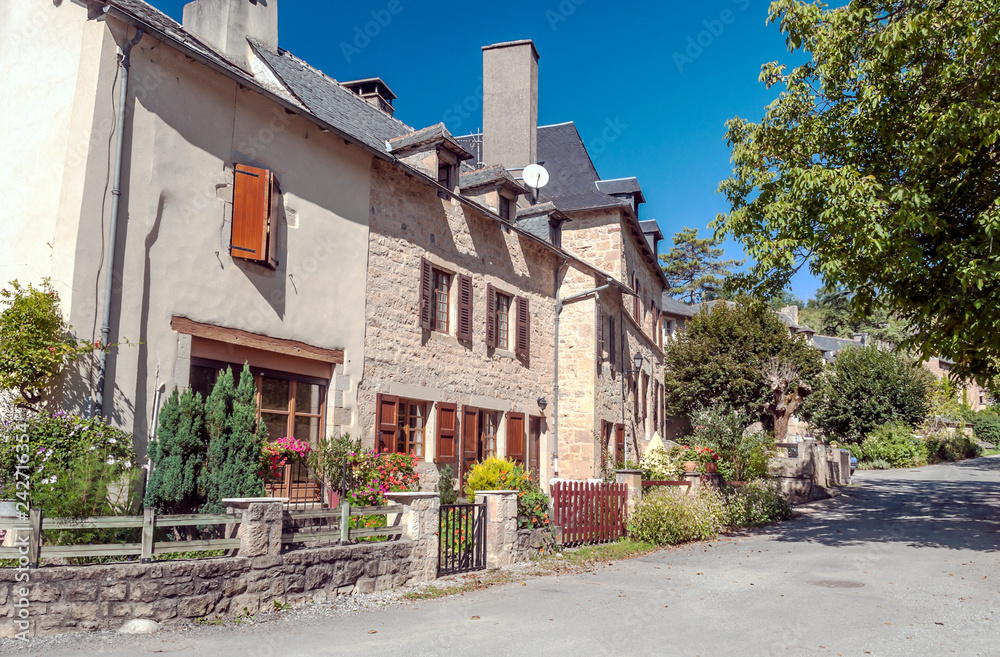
pixel 177 455
pixel 693 267
pixel 236 437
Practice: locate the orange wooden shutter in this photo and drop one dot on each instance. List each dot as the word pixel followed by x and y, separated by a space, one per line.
pixel 464 330
pixel 386 419
pixel 470 435
pixel 425 308
pixel 523 348
pixel 251 210
pixel 491 316
pixel 515 437
pixel 619 443
pixel 447 432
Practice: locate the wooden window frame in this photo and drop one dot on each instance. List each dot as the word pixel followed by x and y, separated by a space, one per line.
pixel 607 434
pixel 402 427
pixel 436 297
pixel 504 207
pixel 502 304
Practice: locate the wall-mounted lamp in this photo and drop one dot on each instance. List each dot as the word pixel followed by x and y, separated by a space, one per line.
pixel 541 403
pixel 637 361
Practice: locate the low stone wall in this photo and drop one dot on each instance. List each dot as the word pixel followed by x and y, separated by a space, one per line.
pixel 102 597
pixel 812 471
pixel 533 542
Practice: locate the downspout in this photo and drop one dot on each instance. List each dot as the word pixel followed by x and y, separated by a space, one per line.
pixel 116 193
pixel 555 401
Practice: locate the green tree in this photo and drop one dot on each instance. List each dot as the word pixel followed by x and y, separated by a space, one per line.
pixel 693 266
pixel 177 455
pixel 864 388
pixel 236 437
pixel 36 340
pixel 721 356
pixel 831 315
pixel 879 165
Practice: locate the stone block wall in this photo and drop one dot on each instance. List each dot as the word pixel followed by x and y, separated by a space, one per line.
pixel 102 597
pixel 532 543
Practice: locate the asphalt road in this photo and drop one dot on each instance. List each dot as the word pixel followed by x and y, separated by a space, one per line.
pixel 905 563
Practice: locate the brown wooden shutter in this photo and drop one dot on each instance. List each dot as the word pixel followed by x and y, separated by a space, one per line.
pixel 447 432
pixel 470 433
pixel 534 440
pixel 386 422
pixel 645 396
pixel 523 348
pixel 612 346
pixel 599 327
pixel 491 316
pixel 425 308
pixel 619 444
pixel 251 210
pixel 605 440
pixel 464 330
pixel 515 437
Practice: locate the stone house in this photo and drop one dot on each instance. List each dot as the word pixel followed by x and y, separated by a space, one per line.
pixel 234 205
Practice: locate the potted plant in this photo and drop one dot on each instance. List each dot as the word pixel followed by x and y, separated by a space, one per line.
pixel 703 459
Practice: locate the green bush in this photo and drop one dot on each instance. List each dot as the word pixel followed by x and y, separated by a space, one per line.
pixel 662 465
pixel 759 503
pixel 877 464
pixel 742 456
pixel 942 446
pixel 987 427
pixel 329 456
pixel 177 455
pixel 865 388
pixel 895 444
pixel 446 486
pixel 495 473
pixel 669 516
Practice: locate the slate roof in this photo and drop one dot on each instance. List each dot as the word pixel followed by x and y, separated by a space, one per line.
pixel 332 103
pixel 495 174
pixel 436 133
pixel 539 209
pixel 621 186
pixel 826 343
pixel 675 307
pixel 651 226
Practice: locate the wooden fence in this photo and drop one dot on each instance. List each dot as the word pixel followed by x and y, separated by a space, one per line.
pixel 325 526
pixel 589 512
pixel 145 549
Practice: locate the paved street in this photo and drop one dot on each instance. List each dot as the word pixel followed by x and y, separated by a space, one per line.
pixel 906 563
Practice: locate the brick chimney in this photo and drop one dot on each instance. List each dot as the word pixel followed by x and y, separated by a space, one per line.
pixel 510 103
pixel 226 24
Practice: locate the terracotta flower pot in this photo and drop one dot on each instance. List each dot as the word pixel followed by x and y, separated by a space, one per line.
pixel 711 467
pixel 690 466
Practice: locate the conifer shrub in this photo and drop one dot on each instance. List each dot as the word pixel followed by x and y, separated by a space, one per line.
pixel 177 455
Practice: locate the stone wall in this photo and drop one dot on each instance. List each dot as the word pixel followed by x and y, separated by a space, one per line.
pixel 409 222
pixel 811 471
pixel 103 597
pixel 532 543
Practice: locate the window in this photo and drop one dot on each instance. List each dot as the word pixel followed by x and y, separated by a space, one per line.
pixel 400 425
pixel 670 326
pixel 636 303
pixel 488 421
pixel 503 316
pixel 410 436
pixel 606 446
pixel 612 349
pixel 288 406
pixel 444 174
pixel 505 208
pixel 256 204
pixel 555 232
pixel 442 290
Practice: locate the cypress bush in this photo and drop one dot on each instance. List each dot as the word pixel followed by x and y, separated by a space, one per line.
pixel 236 438
pixel 177 455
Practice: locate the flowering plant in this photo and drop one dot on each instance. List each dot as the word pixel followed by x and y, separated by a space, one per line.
pixel 277 454
pixel 699 454
pixel 376 474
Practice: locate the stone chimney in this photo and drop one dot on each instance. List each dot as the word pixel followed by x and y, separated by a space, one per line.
pixel 510 104
pixel 225 25
pixel 791 311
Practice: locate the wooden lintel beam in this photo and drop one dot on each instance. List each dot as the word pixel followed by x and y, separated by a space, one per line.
pixel 255 341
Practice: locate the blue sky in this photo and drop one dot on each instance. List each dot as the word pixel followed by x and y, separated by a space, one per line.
pixel 666 74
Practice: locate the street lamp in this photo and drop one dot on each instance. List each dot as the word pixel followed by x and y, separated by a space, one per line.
pixel 637 362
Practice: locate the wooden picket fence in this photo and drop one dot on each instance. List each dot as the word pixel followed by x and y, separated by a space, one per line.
pixel 589 512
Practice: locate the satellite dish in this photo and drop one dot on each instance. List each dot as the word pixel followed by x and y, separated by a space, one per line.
pixel 535 176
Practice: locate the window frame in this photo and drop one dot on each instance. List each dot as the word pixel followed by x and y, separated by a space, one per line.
pixel 436 296
pixel 502 304
pixel 403 416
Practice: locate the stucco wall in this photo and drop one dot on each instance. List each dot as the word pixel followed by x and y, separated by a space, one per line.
pixel 408 222
pixel 186 125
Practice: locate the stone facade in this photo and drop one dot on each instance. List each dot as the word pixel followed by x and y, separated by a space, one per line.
pixel 409 221
pixel 971 393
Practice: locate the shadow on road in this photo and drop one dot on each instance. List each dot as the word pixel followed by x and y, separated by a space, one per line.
pixel 951 506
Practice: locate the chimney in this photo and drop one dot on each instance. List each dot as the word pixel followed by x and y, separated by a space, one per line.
pixel 510 104
pixel 225 25
pixel 791 311
pixel 374 91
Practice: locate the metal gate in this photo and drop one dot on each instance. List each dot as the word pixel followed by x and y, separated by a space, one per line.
pixel 462 538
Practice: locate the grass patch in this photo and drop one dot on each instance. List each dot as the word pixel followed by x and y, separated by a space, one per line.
pixel 991 452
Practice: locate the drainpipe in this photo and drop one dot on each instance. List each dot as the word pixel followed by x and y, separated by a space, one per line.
pixel 555 402
pixel 116 193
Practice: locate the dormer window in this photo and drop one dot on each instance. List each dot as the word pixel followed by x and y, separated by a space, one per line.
pixel 445 174
pixel 506 206
pixel 555 232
